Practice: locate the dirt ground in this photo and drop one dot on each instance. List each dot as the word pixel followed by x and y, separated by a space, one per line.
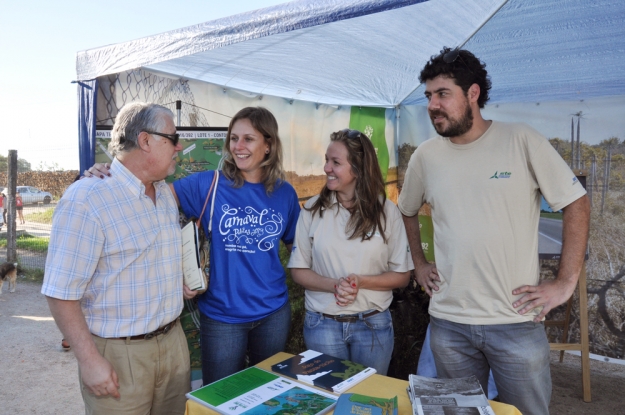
pixel 38 377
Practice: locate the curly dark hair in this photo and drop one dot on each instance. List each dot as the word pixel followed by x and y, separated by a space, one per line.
pixel 463 67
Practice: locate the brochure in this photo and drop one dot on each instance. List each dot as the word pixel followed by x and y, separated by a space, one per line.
pixel 355 404
pixel 254 391
pixel 193 277
pixel 324 371
pixel 430 396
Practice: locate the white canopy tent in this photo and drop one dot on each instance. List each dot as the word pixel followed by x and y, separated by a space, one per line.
pixel 348 52
pixel 369 53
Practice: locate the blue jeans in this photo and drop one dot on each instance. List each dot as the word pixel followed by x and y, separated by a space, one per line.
pixel 517 354
pixel 225 345
pixel 427 367
pixel 367 341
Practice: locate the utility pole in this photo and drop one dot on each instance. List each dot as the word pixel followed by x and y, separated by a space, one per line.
pixel 579 150
pixel 178 112
pixel 590 184
pixel 11 226
pixel 572 144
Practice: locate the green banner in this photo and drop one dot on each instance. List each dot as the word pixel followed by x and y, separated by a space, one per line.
pixel 427 236
pixel 201 149
pixel 372 122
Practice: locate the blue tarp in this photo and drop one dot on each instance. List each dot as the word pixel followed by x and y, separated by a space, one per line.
pixel 87 104
pixel 348 52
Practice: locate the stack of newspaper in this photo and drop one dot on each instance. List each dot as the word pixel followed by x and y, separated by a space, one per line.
pixel 447 396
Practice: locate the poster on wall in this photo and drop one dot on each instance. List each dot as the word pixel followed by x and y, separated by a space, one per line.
pixel 201 149
pixel 550 229
pixel 372 122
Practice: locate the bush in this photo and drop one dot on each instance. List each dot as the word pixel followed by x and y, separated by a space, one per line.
pixel 31 274
pixel 28 242
pixel 295 343
pixel 54 182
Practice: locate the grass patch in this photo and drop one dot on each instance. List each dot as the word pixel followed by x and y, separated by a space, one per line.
pixel 40 217
pixel 29 242
pixel 31 274
pixel 551 215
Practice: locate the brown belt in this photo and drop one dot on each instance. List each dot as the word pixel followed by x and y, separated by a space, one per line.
pixel 162 330
pixel 350 318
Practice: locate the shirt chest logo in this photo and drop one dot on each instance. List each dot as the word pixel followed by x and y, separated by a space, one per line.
pixel 501 175
pixel 245 227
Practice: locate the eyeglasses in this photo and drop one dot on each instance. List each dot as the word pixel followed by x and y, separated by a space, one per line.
pixel 351 133
pixel 450 56
pixel 172 137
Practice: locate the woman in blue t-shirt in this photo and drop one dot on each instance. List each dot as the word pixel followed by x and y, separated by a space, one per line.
pixel 246 308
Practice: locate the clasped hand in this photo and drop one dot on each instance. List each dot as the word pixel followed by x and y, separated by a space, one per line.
pixel 346 290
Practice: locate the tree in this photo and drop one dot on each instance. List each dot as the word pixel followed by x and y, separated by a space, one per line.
pixel 611 142
pixel 54 166
pixel 563 147
pixel 22 165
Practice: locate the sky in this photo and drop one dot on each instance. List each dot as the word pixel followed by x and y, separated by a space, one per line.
pixel 38 44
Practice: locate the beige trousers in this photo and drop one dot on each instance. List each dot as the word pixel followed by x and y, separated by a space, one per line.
pixel 153 375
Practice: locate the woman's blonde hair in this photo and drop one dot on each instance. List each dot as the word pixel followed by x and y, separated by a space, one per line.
pixel 265 123
pixel 367 211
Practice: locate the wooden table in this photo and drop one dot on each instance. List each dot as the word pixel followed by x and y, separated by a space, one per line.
pixel 376 385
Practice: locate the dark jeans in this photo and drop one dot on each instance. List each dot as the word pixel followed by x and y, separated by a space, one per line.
pixel 224 345
pixel 366 341
pixel 518 355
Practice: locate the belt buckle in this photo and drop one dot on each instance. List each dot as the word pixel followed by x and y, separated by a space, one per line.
pixel 168 327
pixel 346 319
pixel 149 336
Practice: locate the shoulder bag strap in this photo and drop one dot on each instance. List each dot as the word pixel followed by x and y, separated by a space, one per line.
pixel 210 190
pixel 210 220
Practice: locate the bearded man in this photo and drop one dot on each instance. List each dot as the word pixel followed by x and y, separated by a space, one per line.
pixel 483 180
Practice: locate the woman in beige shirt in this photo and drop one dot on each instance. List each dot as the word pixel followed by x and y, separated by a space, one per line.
pixel 350 251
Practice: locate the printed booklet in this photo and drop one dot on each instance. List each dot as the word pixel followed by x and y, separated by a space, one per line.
pixel 355 404
pixel 430 396
pixel 191 271
pixel 254 391
pixel 323 371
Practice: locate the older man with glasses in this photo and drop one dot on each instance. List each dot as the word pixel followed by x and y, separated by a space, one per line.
pixel 113 275
pixel 483 180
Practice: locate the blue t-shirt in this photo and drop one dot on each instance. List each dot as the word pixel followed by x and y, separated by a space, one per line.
pixel 247 280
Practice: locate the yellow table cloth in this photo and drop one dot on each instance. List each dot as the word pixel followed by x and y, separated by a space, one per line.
pixel 376 385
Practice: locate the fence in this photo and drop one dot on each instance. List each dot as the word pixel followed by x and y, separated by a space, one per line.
pixel 33 225
pixel 605 184
pixel 34 220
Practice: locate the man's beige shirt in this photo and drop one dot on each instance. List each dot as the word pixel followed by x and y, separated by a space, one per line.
pixel 485 198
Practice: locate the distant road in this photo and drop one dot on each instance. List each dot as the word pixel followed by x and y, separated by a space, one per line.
pixel 549 236
pixel 41 230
